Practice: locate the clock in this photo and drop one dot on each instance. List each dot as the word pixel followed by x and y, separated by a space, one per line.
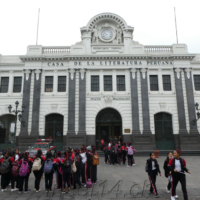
pixel 107 34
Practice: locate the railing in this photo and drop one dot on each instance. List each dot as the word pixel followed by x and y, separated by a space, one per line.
pixel 56 50
pixel 158 49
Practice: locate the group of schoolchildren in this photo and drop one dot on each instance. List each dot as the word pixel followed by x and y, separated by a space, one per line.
pixel 118 153
pixel 73 167
pixel 174 167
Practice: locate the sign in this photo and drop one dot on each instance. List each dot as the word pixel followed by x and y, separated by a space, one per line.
pixel 127 130
pixel 55 64
pixel 121 99
pixel 95 99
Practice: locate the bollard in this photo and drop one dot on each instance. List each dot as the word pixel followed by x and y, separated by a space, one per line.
pixel 157 153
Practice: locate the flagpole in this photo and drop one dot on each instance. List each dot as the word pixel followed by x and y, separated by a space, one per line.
pixel 37 26
pixel 176 25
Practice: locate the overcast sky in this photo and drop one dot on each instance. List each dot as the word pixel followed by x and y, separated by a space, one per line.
pixel 61 20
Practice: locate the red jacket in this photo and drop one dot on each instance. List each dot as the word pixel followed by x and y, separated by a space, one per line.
pixel 11 160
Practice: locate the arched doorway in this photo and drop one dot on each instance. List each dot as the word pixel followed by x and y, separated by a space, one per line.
pixel 7 131
pixel 54 128
pixel 108 123
pixel 164 131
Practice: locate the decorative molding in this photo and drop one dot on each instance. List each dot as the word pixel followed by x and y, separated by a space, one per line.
pixel 178 70
pixel 188 70
pixel 72 71
pixel 82 72
pixel 162 106
pixel 143 70
pixel 37 73
pixel 27 72
pixel 133 71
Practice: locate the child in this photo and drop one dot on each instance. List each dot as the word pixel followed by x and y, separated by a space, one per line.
pixel 153 170
pixel 5 170
pixel 94 167
pixel 59 171
pixel 124 152
pixel 49 166
pixel 112 154
pixel 25 164
pixel 89 155
pixel 66 165
pixel 38 164
pixel 177 166
pixel 78 163
pixel 84 166
pixel 106 154
pixel 167 171
pixel 130 151
pixel 119 153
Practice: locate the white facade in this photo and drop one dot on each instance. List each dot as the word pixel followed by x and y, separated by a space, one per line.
pixel 107 48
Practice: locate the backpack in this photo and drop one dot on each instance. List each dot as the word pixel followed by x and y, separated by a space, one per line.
pixel 48 166
pixel 130 151
pixel 15 169
pixel 5 165
pixel 106 151
pixel 88 184
pixel 119 149
pixel 24 169
pixel 95 160
pixel 74 167
pixel 112 151
pixel 37 164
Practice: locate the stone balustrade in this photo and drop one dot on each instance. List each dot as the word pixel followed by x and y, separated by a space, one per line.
pixel 56 50
pixel 157 49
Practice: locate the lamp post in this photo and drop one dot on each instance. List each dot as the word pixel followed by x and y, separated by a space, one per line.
pixel 16 112
pixel 198 113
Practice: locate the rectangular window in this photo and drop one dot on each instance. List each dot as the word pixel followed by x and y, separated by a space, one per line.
pixel 120 83
pixel 107 83
pixel 94 83
pixel 166 82
pixel 49 84
pixel 62 84
pixel 17 84
pixel 4 84
pixel 197 82
pixel 153 82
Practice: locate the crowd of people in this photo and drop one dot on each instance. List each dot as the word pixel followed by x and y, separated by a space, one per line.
pixel 73 167
pixel 79 167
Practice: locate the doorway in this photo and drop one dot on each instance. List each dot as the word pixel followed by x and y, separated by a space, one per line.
pixel 164 131
pixel 108 124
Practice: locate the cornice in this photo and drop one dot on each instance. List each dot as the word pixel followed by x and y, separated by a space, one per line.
pixel 107 57
pixel 11 64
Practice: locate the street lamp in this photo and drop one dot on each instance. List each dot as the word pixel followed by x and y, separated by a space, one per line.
pixel 16 112
pixel 198 113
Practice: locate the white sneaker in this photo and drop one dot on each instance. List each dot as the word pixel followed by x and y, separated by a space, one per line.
pixel 133 164
pixel 168 191
pixel 172 198
pixel 128 166
pixel 176 196
pixel 19 192
pixel 2 190
pixel 13 190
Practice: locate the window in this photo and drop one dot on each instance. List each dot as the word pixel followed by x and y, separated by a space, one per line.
pixel 94 83
pixel 4 84
pixel 153 82
pixel 17 84
pixel 166 83
pixel 120 83
pixel 49 84
pixel 197 82
pixel 62 84
pixel 107 83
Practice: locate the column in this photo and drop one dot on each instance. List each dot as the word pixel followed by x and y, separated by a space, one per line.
pixel 180 101
pixel 101 82
pixel 26 102
pixel 10 87
pixel 55 82
pixel 36 103
pixel 114 78
pixel 82 101
pixel 71 102
pixel 145 101
pixel 190 100
pixel 134 101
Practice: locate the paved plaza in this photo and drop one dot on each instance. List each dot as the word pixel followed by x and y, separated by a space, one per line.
pixel 118 182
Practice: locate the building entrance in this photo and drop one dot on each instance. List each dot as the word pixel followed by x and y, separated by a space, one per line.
pixel 163 131
pixel 108 124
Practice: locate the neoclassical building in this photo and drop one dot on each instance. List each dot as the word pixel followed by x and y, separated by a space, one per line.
pixel 105 85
